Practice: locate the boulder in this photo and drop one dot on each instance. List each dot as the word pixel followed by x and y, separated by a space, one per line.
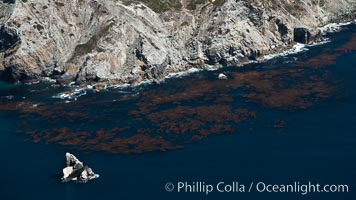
pixel 222 77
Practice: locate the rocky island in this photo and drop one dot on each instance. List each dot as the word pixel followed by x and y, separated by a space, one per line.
pixel 130 41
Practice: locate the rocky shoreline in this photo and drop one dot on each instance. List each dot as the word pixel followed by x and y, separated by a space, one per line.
pixel 88 43
pixel 75 91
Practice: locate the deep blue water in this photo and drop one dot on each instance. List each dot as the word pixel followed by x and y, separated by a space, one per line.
pixel 316 141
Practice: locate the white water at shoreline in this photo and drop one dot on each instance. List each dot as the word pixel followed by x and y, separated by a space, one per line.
pixel 297 48
pixel 184 73
pixel 334 27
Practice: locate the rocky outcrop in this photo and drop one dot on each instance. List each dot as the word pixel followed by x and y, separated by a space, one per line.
pixel 76 171
pixel 302 35
pixel 127 42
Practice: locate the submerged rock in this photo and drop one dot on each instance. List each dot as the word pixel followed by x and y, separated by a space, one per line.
pixel 76 171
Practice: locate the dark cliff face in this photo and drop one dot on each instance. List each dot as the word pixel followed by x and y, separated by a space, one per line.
pixel 129 42
pixel 8 1
pixel 8 39
pixel 302 35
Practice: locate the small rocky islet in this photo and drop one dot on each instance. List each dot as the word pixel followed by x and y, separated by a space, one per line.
pixel 76 171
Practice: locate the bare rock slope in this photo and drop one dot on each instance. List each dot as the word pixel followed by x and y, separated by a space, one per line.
pixel 131 41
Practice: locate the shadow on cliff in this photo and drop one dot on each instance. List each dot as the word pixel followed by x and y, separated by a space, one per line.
pixel 9 43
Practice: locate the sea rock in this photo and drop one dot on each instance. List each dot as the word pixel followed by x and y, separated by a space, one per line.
pixel 133 41
pixel 76 171
pixel 222 77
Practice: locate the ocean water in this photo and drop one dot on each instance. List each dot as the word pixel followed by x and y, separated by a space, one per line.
pixel 289 119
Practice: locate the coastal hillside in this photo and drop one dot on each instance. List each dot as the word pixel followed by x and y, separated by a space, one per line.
pixel 131 41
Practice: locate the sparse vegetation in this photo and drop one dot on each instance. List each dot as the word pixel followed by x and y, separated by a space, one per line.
pixel 91 45
pixel 164 5
pixel 158 5
pixel 85 48
pixel 295 9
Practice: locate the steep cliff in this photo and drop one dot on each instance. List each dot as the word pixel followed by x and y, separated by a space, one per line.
pixel 130 41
